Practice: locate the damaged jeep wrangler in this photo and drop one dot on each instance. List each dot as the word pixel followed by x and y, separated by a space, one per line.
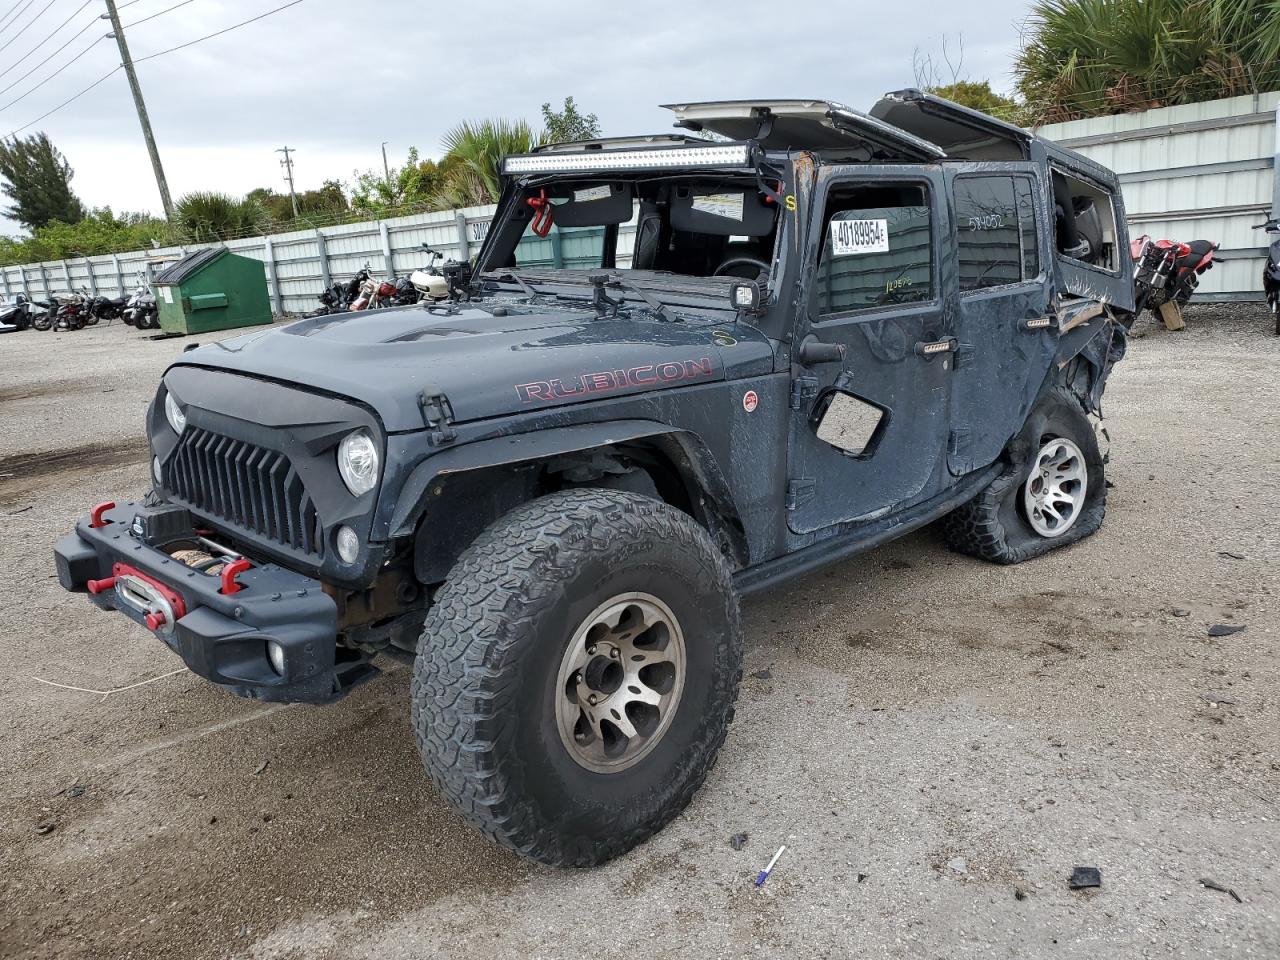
pixel 681 368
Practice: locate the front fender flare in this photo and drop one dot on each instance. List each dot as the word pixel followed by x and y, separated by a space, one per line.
pixel 699 466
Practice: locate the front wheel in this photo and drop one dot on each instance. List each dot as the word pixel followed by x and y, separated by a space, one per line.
pixel 577 673
pixel 1052 492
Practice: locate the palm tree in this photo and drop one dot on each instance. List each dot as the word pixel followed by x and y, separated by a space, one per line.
pixel 205 216
pixel 479 146
pixel 1084 58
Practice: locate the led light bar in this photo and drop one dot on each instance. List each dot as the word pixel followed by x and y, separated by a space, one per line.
pixel 731 155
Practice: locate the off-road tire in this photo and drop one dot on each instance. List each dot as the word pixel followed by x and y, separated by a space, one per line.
pixel 485 675
pixel 992 525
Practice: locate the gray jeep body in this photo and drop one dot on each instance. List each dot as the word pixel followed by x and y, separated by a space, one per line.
pixel 526 385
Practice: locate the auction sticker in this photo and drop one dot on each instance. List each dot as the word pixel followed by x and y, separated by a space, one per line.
pixel 750 400
pixel 859 236
pixel 592 193
pixel 726 205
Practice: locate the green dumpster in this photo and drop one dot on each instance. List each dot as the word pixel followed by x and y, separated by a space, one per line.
pixel 212 290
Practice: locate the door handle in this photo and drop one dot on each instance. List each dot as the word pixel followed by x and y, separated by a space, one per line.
pixel 1038 323
pixel 812 350
pixel 931 348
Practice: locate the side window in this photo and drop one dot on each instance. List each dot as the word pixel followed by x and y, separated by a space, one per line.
pixel 995 231
pixel 1084 222
pixel 877 249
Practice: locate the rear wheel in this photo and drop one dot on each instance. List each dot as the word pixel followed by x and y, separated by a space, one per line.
pixel 577 673
pixel 1052 492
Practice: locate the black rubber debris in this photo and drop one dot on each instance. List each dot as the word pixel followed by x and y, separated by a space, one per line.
pixel 1085 877
pixel 765 674
pixel 1224 630
pixel 738 841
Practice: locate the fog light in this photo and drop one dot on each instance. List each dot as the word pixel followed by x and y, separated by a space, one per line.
pixel 275 653
pixel 155 470
pixel 348 545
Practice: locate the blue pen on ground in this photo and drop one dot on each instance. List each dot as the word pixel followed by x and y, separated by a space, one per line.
pixel 764 874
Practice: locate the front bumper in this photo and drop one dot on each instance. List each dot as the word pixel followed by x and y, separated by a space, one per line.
pixel 223 637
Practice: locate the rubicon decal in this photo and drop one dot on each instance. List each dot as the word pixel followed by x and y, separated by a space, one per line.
pixel 604 381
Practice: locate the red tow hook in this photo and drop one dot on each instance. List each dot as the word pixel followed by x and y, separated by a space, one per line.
pixel 95 515
pixel 101 586
pixel 542 213
pixel 154 620
pixel 231 571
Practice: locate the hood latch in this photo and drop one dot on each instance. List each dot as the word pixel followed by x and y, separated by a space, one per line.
pixel 437 414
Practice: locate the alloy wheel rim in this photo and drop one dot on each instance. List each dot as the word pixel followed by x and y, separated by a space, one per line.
pixel 620 682
pixel 1054 492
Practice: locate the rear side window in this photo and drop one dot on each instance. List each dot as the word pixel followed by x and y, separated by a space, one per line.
pixel 877 249
pixel 996 239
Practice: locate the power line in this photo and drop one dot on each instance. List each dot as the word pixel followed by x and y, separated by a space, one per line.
pixel 159 14
pixel 9 11
pixel 109 73
pixel 19 13
pixel 42 12
pixel 51 35
pixel 210 36
pixel 24 96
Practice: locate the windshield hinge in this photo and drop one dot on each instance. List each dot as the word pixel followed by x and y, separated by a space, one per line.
pixel 437 414
pixel 802 389
pixel 800 492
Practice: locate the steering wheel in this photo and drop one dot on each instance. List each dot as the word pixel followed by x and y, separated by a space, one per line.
pixel 728 268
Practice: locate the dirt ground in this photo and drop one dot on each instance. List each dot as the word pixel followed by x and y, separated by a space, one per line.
pixel 937 741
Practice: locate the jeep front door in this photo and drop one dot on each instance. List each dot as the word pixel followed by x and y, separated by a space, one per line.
pixel 1006 335
pixel 869 429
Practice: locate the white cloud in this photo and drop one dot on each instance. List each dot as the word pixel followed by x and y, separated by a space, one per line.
pixel 335 79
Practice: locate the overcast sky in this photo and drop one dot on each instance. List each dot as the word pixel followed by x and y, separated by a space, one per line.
pixel 335 78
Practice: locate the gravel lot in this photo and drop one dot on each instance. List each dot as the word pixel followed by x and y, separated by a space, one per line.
pixel 938 742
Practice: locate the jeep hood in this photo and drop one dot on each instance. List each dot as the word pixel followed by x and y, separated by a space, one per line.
pixel 489 360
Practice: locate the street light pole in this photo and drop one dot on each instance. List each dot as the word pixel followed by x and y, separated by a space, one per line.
pixel 127 62
pixel 385 168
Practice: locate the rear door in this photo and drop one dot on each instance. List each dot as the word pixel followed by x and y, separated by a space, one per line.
pixel 869 429
pixel 1006 332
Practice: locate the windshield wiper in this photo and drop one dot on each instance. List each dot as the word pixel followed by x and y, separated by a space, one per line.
pixel 519 281
pixel 658 308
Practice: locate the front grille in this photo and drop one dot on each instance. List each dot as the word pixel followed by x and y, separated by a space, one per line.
pixel 245 485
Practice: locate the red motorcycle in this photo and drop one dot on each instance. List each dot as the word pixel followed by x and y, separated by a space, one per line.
pixel 374 293
pixel 1168 270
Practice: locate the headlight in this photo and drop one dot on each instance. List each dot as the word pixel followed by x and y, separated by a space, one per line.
pixel 358 462
pixel 173 413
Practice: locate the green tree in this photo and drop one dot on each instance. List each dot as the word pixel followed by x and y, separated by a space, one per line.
pixel 327 203
pixel 568 124
pixel 474 153
pixel 374 194
pixel 100 232
pixel 205 216
pixel 38 182
pixel 978 95
pixel 1084 58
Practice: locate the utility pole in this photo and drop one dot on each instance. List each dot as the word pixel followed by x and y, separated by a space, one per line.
pixel 127 62
pixel 386 169
pixel 287 163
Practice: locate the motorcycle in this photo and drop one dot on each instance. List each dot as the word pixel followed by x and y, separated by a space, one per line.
pixel 429 281
pixel 339 297
pixel 16 314
pixel 140 309
pixel 373 293
pixel 1168 270
pixel 106 308
pixel 1271 272
pixel 72 313
pixel 43 314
